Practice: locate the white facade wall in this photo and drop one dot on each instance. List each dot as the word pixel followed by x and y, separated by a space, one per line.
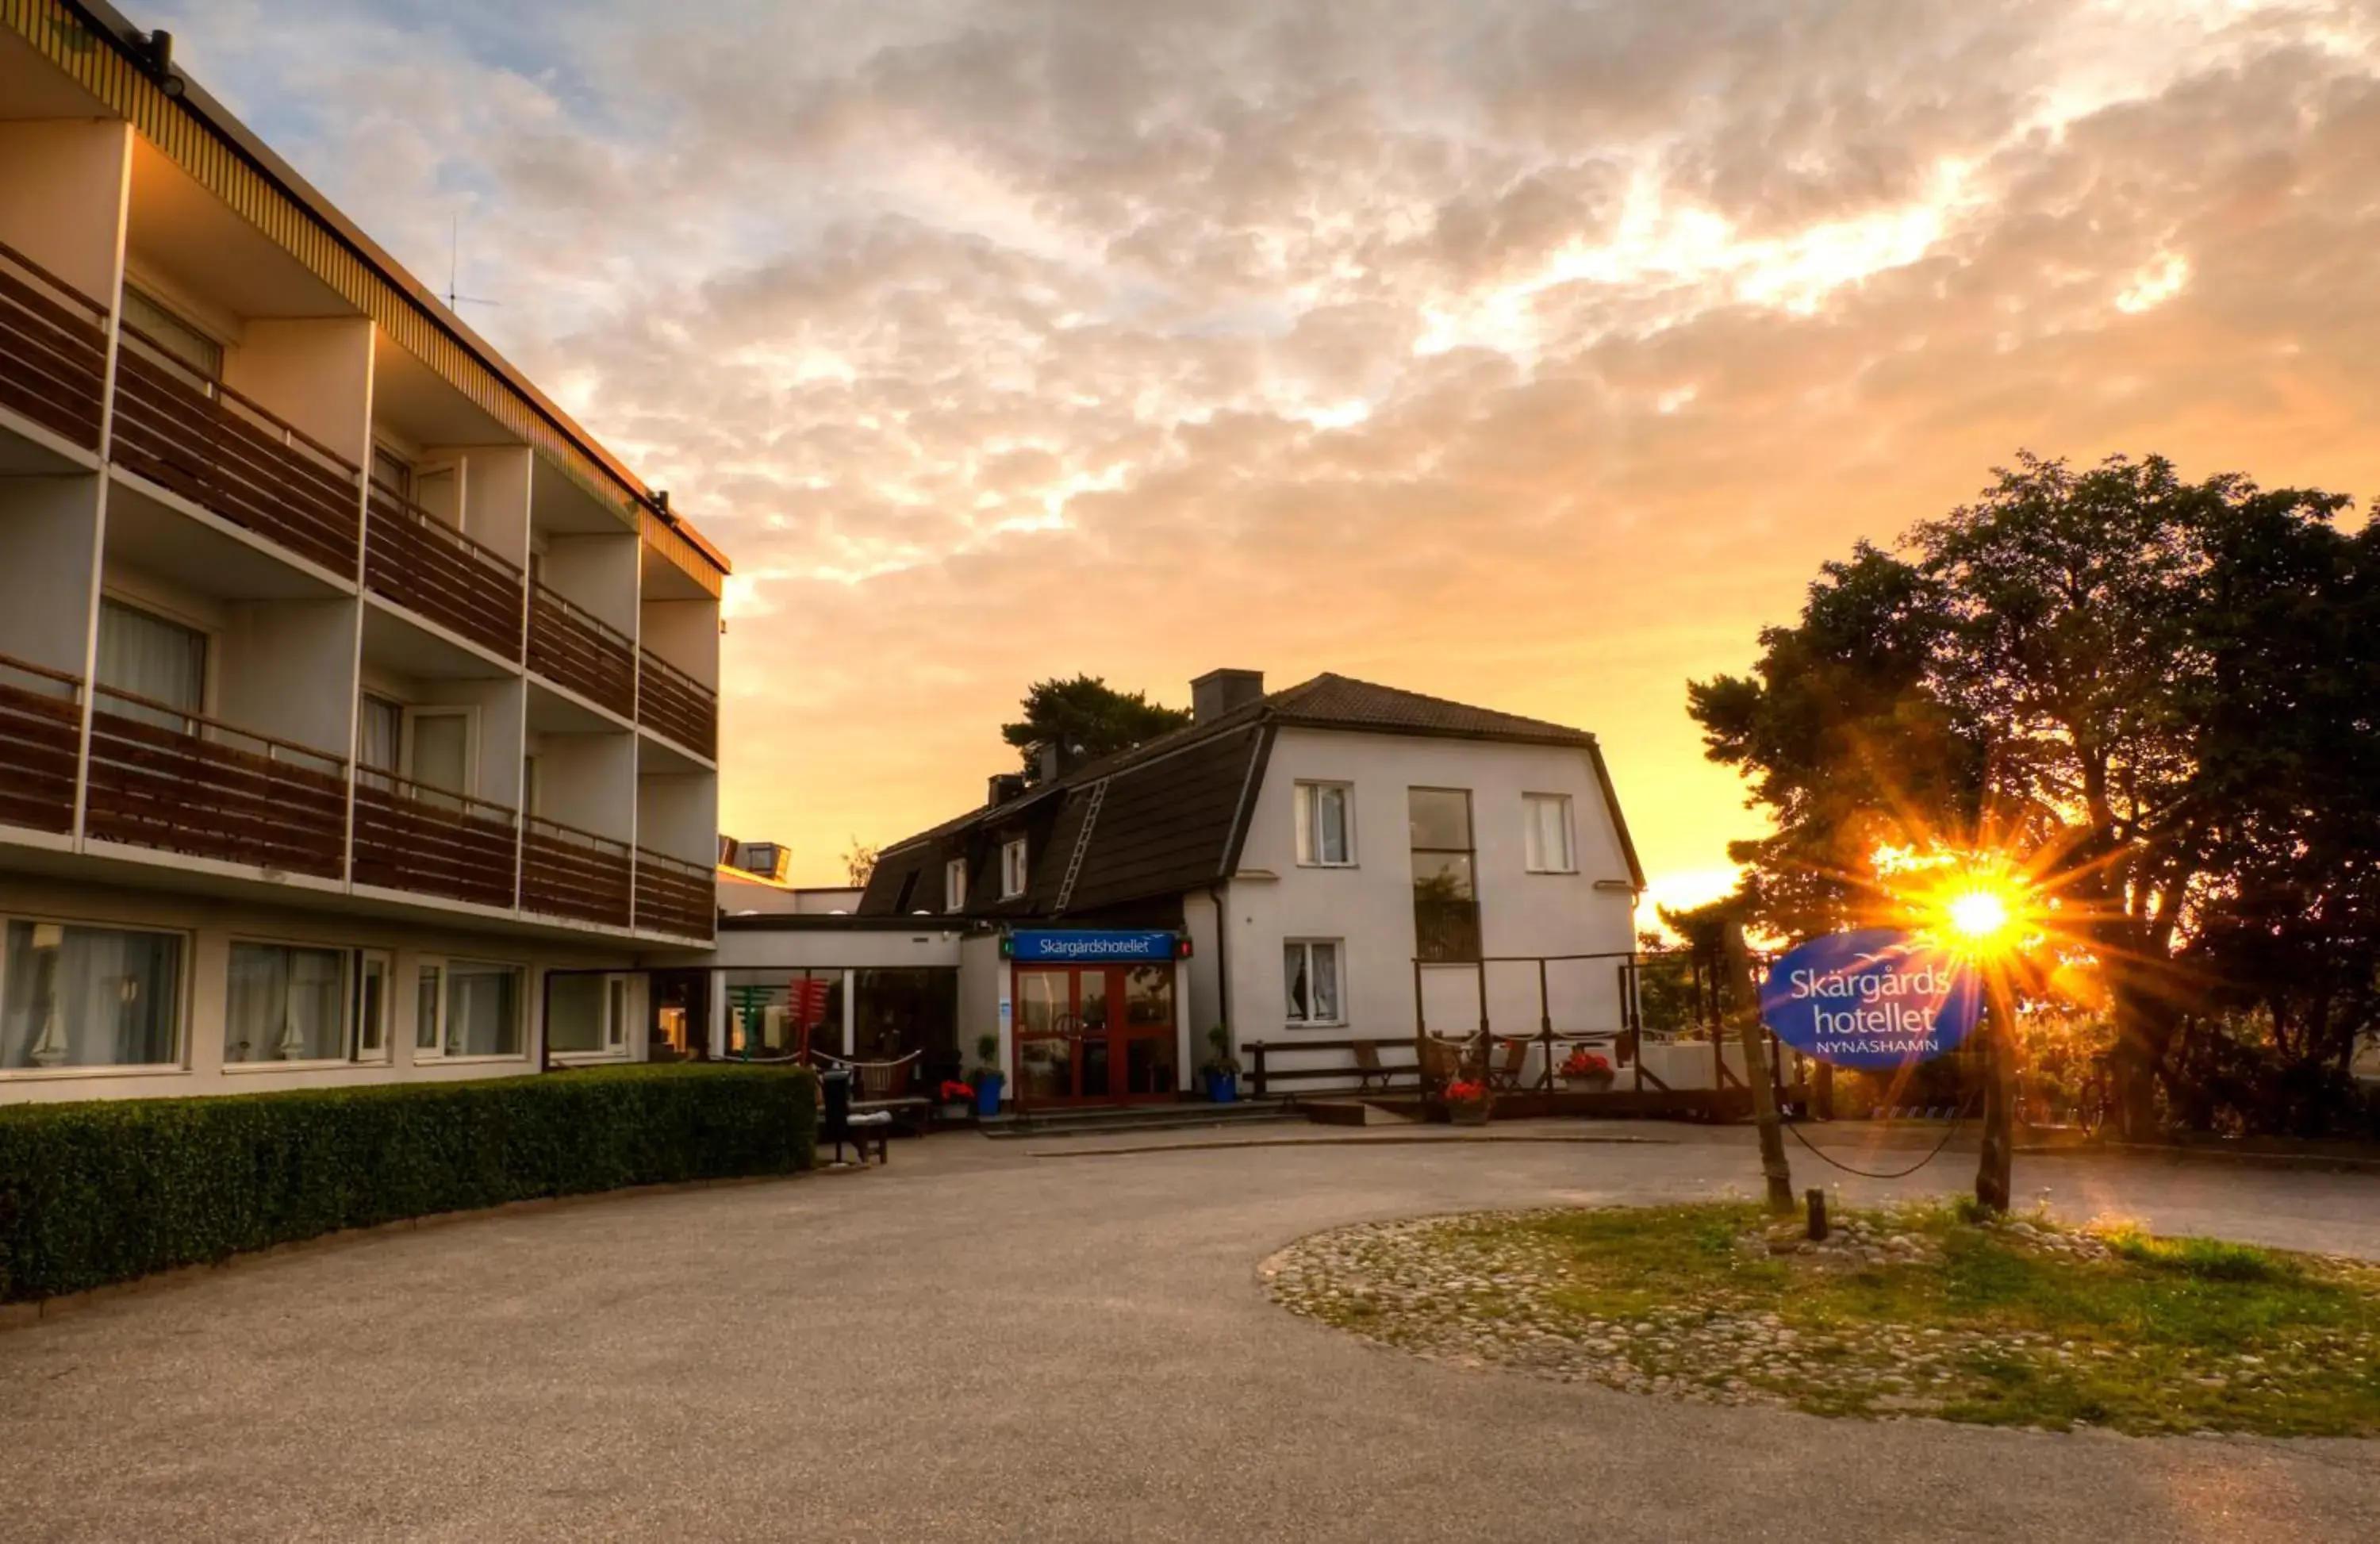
pixel 1369 905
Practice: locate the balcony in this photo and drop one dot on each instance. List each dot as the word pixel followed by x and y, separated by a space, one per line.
pixel 175 782
pixel 674 896
pixel 426 565
pixel 569 872
pixel 435 843
pixel 41 739
pixel 197 437
pixel 675 704
pixel 52 350
pixel 571 649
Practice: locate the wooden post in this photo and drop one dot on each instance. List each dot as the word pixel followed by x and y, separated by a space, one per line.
pixel 1773 1167
pixel 1995 1174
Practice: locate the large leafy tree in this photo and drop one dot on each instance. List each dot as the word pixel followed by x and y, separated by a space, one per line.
pixel 1087 718
pixel 2080 668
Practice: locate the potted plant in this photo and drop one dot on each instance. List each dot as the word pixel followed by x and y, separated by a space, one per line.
pixel 1466 1102
pixel 1586 1071
pixel 1220 1069
pixel 956 1100
pixel 987 1078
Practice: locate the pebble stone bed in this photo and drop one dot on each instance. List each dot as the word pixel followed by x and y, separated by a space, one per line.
pixel 1474 1291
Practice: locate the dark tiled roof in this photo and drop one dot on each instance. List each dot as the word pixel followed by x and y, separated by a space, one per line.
pixel 1342 702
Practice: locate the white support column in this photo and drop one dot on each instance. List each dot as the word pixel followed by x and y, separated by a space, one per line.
pixel 717 1029
pixel 850 1012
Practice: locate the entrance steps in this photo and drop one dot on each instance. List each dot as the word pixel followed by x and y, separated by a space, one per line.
pixel 1139 1117
pixel 1352 1112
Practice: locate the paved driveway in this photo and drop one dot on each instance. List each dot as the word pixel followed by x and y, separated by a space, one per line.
pixel 981 1343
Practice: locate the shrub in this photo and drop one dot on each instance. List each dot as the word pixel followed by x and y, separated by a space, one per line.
pixel 109 1191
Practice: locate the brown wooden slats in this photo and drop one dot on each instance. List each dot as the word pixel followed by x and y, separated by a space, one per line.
pixel 675 897
pixel 154 786
pixel 676 704
pixel 426 565
pixel 52 350
pixel 568 872
pixel 432 844
pixel 41 740
pixel 229 457
pixel 571 649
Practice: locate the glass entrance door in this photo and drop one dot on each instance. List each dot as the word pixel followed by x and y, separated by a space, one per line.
pixel 1094 1034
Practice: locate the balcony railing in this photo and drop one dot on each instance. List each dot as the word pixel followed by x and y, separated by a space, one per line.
pixel 674 896
pixel 409 836
pixel 179 782
pixel 53 349
pixel 192 434
pixel 570 647
pixel 569 872
pixel 41 739
pixel 426 565
pixel 677 705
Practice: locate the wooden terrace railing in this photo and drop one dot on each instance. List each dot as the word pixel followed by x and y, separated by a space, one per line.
pixel 676 704
pixel 426 565
pixel 569 872
pixel 569 647
pixel 52 350
pixel 174 781
pixel 41 740
pixel 674 896
pixel 426 840
pixel 192 434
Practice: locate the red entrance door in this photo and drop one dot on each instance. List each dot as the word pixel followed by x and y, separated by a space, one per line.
pixel 1094 1034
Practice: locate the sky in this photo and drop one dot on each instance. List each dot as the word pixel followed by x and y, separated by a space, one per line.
pixel 1525 353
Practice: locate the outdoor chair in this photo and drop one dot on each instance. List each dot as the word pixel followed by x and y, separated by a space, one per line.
pixel 1368 1066
pixel 1441 1063
pixel 885 1089
pixel 1504 1074
pixel 839 1123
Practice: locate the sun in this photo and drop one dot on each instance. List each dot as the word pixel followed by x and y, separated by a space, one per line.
pixel 1978 916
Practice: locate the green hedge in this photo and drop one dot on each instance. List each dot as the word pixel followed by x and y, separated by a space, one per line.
pixel 109 1191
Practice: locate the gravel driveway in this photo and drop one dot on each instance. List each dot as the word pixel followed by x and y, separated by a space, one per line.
pixel 982 1342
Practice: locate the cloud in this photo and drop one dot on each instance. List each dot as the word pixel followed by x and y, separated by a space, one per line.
pixel 1530 353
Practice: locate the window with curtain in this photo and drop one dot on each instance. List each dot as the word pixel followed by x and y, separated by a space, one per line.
pixel 1012 869
pixel 428 999
pixel 1311 969
pixel 483 1009
pixel 170 334
pixel 286 1004
pixel 72 996
pixel 162 662
pixel 379 734
pixel 1326 834
pixel 1446 897
pixel 1546 833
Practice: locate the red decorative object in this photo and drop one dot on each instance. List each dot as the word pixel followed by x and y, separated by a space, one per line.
pixel 956 1093
pixel 1465 1092
pixel 1583 1063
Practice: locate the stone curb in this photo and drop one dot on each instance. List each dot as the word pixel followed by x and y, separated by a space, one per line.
pixel 2317 1162
pixel 17 1316
pixel 1386 1141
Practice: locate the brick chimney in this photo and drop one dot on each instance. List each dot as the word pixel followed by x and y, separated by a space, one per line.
pixel 1218 691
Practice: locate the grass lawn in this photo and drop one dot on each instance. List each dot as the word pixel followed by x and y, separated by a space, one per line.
pixel 1910 1312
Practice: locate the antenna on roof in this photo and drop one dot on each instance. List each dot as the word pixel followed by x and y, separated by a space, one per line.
pixel 453 251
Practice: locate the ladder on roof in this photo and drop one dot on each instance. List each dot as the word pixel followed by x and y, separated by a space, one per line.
pixel 1082 846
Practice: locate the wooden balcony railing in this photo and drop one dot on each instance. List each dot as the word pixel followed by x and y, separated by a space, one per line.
pixel 435 843
pixel 569 872
pixel 674 896
pixel 53 349
pixel 41 740
pixel 179 782
pixel 571 648
pixel 196 436
pixel 677 705
pixel 426 565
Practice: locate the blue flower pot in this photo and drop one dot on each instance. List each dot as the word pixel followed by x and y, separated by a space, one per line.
pixel 987 1094
pixel 1222 1087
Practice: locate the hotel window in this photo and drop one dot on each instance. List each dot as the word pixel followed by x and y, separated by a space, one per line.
pixel 586 1016
pixel 372 1005
pixel 1446 895
pixel 72 996
pixel 955 885
pixel 161 663
pixel 428 994
pixel 1326 824
pixel 479 1013
pixel 286 1003
pixel 1310 968
pixel 1547 834
pixel 1012 869
pixel 169 334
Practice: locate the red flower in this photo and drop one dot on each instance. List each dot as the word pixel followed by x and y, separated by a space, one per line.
pixel 1463 1093
pixel 1583 1063
pixel 956 1093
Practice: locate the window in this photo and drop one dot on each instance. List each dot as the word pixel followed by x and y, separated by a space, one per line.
pixel 162 663
pixel 391 471
pixel 72 996
pixel 955 885
pixel 427 1000
pixel 483 1009
pixel 1012 869
pixel 438 748
pixel 172 335
pixel 1446 896
pixel 286 1004
pixel 1325 827
pixel 1311 967
pixel 586 1016
pixel 1546 833
pixel 379 734
pixel 372 1006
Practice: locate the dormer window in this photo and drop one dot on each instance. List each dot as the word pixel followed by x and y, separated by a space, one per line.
pixel 955 885
pixel 1012 869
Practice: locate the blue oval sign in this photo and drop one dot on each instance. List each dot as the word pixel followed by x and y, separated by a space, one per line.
pixel 1875 1001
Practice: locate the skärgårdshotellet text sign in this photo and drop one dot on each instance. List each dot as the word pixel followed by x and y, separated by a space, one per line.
pixel 1874 1001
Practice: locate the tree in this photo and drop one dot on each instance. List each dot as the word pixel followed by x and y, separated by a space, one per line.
pixel 859 863
pixel 1086 719
pixel 2077 669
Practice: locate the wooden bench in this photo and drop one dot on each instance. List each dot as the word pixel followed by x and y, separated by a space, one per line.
pixel 883 1088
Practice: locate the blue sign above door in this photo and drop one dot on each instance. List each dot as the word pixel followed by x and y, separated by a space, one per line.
pixel 1875 1000
pixel 1090 946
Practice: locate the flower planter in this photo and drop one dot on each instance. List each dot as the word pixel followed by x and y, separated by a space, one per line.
pixel 1588 1083
pixel 1468 1112
pixel 953 1114
pixel 987 1094
pixel 1222 1087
